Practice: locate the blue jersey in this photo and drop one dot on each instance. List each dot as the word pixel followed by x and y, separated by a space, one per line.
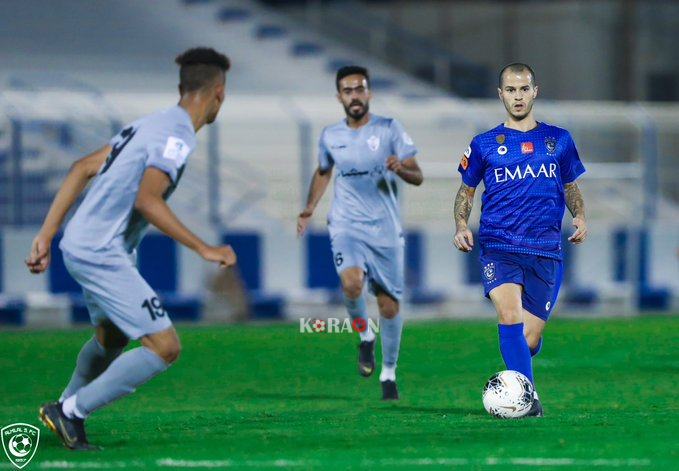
pixel 106 228
pixel 365 203
pixel 524 174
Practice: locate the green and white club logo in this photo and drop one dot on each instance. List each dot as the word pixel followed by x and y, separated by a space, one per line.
pixel 20 442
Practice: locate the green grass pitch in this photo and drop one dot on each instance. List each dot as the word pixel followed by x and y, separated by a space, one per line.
pixel 247 397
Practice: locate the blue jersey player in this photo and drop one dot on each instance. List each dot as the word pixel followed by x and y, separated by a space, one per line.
pixel 131 178
pixel 529 170
pixel 367 152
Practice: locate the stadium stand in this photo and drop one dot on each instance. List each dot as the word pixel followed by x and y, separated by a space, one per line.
pixel 246 181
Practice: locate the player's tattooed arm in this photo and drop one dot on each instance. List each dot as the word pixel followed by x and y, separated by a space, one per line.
pixel 576 205
pixel 464 201
pixel 79 175
pixel 408 169
pixel 319 183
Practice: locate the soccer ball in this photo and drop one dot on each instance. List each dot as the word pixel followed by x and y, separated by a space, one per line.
pixel 21 444
pixel 508 395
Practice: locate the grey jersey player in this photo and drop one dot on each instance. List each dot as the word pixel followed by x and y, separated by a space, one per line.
pixel 131 178
pixel 368 153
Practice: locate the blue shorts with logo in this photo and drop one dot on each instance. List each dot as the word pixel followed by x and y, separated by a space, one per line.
pixel 540 277
pixel 383 266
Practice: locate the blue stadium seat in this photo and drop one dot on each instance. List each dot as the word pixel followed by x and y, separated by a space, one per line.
pixel 12 312
pixel 248 247
pixel 228 14
pixel 320 267
pixel 269 31
pixel 59 280
pixel 157 261
pixel 306 48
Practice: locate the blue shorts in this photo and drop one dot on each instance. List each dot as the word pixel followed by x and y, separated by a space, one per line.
pixel 383 266
pixel 540 277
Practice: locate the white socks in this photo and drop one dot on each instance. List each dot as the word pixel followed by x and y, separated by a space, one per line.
pixel 388 373
pixel 70 409
pixel 367 335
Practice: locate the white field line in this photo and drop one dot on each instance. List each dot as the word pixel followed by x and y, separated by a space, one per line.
pixel 396 462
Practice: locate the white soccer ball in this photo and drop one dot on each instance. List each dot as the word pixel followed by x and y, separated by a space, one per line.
pixel 508 395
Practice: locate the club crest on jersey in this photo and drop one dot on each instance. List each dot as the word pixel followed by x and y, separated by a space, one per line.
pixel 373 143
pixel 489 272
pixel 527 148
pixel 500 138
pixel 502 150
pixel 550 144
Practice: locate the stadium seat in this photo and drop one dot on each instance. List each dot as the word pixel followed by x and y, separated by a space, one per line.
pixel 248 247
pixel 269 31
pixel 12 311
pixel 228 14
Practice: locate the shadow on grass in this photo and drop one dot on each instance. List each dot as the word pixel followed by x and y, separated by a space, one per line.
pixel 294 397
pixel 395 407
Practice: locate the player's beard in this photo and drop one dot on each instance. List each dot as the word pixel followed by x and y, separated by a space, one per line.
pixel 523 113
pixel 357 116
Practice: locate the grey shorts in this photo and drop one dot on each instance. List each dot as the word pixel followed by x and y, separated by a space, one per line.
pixel 383 266
pixel 120 294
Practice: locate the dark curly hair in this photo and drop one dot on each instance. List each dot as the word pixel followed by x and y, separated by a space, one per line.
pixel 199 67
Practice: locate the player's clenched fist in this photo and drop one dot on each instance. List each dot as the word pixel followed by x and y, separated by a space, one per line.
pixel 303 221
pixel 223 255
pixel 464 240
pixel 39 258
pixel 394 164
pixel 580 233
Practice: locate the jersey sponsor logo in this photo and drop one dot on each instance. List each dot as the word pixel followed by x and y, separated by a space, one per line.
pixel 504 174
pixel 550 144
pixel 377 171
pixel 502 150
pixel 373 143
pixel 353 173
pixel 176 150
pixel 407 139
pixel 338 146
pixel 527 148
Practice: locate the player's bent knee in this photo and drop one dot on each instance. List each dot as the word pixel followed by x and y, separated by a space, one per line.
pixel 532 338
pixel 165 344
pixel 509 316
pixel 388 307
pixel 352 283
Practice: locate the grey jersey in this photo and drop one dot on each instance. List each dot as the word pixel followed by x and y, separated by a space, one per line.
pixel 365 203
pixel 106 226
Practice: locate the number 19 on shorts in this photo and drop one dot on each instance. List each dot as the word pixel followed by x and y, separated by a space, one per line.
pixel 154 307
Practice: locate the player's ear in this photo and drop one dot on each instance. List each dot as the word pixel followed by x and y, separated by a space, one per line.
pixel 339 97
pixel 535 92
pixel 499 93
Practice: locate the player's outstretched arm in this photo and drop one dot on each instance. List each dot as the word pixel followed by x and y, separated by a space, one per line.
pixel 576 205
pixel 151 204
pixel 319 183
pixel 80 173
pixel 464 200
pixel 408 170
